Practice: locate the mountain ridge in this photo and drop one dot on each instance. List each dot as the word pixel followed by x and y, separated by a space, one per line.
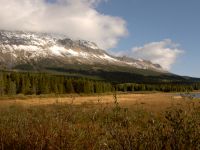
pixel 41 52
pixel 18 47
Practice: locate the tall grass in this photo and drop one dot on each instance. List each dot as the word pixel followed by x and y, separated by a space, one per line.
pixel 94 126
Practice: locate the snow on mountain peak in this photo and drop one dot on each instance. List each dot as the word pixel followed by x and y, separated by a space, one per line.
pixel 89 44
pixel 22 47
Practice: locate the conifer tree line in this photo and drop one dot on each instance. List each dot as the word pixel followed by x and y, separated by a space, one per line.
pixel 163 87
pixel 12 83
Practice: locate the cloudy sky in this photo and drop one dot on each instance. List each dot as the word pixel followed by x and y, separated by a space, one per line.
pixel 165 32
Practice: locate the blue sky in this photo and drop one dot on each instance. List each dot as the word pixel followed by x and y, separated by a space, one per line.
pixel 155 20
pixel 166 32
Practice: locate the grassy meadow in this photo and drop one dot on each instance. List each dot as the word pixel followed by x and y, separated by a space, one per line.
pixel 112 122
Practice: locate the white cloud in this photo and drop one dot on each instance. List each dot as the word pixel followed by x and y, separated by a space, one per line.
pixel 164 53
pixel 78 19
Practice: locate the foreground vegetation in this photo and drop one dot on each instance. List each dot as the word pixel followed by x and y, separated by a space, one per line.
pixel 100 126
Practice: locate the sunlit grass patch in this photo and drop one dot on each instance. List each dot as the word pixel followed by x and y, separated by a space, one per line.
pixel 100 126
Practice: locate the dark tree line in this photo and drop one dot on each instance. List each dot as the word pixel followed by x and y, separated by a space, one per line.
pixel 12 83
pixel 163 87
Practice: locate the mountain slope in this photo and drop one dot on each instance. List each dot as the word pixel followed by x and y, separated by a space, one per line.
pixel 20 48
pixel 29 51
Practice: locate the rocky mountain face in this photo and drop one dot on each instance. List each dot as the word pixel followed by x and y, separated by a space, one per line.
pixel 26 50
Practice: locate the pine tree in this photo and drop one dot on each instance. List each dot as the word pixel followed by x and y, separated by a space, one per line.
pixel 2 86
pixel 27 88
pixel 69 86
pixel 11 88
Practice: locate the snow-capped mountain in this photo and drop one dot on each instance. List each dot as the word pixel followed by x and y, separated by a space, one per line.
pixel 37 49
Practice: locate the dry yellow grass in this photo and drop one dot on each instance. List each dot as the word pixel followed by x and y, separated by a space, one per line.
pixel 140 121
pixel 154 101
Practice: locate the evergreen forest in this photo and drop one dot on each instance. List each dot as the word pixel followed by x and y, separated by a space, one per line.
pixel 13 83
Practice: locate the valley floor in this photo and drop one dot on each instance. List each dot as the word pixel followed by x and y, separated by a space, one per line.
pixel 121 122
pixel 152 101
